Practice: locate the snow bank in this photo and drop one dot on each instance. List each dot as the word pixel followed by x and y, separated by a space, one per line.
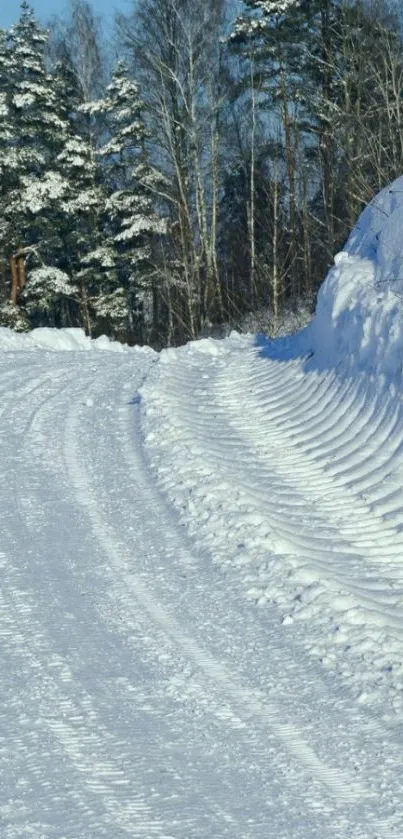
pixel 60 340
pixel 358 325
pixel 284 461
pixel 359 317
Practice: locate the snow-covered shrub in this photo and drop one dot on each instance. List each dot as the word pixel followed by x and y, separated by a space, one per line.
pixel 14 318
pixel 288 322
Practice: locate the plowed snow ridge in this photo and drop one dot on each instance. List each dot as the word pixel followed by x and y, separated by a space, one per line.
pixel 297 479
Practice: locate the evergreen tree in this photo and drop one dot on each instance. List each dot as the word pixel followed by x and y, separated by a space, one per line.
pixel 7 156
pixel 35 188
pixel 131 223
pixel 82 210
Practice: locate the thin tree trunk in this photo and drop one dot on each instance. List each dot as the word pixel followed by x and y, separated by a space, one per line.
pixel 14 280
pixel 85 311
pixel 214 214
pixel 252 210
pixel 275 283
pixel 291 174
pixel 326 134
pixel 22 277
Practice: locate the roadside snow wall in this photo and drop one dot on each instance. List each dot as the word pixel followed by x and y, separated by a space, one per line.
pixel 359 316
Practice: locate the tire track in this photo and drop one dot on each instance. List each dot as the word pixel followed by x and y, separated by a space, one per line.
pixel 97 763
pixel 77 722
pixel 95 590
pixel 239 700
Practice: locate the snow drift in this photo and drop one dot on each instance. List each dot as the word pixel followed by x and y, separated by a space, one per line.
pixel 359 317
pixel 284 460
pixel 60 340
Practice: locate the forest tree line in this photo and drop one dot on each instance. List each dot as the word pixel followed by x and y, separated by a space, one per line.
pixel 208 175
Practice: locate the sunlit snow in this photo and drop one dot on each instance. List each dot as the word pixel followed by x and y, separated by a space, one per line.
pixel 201 600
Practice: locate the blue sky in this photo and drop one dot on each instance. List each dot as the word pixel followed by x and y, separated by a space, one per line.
pixel 45 9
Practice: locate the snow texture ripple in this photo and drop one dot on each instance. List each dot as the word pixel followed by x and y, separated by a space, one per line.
pixel 143 694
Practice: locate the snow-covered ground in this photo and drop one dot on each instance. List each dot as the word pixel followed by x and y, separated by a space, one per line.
pixel 201 600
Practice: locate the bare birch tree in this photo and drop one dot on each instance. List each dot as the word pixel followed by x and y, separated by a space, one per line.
pixel 174 48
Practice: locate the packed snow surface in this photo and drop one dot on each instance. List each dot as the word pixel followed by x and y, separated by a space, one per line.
pixel 201 601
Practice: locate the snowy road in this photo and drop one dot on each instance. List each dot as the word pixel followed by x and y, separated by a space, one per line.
pixel 201 605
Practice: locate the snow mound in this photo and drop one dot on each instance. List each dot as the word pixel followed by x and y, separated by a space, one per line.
pixel 60 340
pixel 359 317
